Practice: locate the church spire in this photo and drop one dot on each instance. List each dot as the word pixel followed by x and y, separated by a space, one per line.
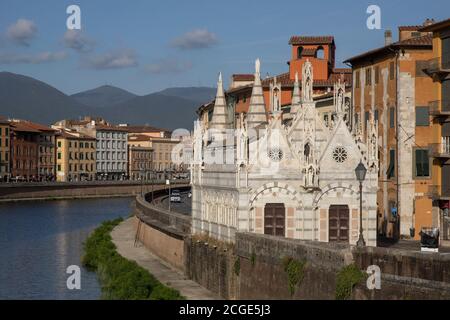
pixel 295 105
pixel 257 109
pixel 219 117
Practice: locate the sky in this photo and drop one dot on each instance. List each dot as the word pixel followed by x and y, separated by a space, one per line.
pixel 144 46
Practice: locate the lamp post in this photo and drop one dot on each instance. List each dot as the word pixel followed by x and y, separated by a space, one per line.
pixel 360 172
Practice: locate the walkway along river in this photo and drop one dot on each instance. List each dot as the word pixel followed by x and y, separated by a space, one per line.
pixel 40 239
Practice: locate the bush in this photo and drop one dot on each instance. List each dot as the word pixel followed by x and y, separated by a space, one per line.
pixel 346 279
pixel 295 271
pixel 120 278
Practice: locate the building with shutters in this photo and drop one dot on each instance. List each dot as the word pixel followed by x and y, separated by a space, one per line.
pixel 391 85
pixel 438 69
pixel 283 173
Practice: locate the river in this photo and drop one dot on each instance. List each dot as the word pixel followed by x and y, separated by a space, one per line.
pixel 39 240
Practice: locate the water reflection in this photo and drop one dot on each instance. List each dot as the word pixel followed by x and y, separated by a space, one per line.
pixel 39 240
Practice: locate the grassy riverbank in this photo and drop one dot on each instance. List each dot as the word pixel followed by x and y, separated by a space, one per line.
pixel 120 278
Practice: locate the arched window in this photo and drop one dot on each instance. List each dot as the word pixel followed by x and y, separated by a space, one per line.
pixel 299 52
pixel 320 53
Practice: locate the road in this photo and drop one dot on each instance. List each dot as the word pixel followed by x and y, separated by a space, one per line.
pixel 183 207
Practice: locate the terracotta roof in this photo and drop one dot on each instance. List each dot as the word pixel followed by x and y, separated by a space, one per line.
pixel 311 40
pixel 23 127
pixel 78 136
pixel 243 77
pixel 140 129
pixel 38 126
pixel 102 127
pixel 309 52
pixel 436 26
pixel 409 28
pixel 423 41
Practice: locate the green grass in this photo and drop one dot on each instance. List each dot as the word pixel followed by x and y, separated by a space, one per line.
pixel 120 278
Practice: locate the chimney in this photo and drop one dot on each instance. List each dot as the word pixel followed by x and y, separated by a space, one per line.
pixel 387 37
pixel 428 22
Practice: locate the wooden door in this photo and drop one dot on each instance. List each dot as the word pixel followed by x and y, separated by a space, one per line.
pixel 338 221
pixel 274 219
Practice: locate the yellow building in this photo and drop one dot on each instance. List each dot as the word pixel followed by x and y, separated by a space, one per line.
pixel 4 150
pixel 162 152
pixel 75 157
pixel 438 69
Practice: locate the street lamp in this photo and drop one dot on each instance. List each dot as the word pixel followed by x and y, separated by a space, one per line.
pixel 360 172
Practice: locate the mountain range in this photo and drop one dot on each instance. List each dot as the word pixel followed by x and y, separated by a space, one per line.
pixel 28 98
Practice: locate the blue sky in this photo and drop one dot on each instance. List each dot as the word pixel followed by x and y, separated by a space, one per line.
pixel 144 46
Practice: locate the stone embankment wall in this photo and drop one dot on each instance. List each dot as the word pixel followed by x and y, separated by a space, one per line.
pixel 265 267
pixel 80 190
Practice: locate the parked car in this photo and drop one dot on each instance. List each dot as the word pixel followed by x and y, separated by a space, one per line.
pixel 175 196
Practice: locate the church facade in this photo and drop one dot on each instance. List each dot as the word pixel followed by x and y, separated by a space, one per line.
pixel 291 176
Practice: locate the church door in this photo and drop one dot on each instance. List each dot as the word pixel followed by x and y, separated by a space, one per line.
pixel 274 219
pixel 338 223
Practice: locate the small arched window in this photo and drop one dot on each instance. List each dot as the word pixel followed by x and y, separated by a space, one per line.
pixel 320 53
pixel 299 52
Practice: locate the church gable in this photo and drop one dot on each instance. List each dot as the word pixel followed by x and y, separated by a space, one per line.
pixel 341 153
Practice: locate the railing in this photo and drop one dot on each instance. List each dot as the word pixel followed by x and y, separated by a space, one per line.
pixel 439 107
pixel 441 150
pixel 434 191
pixel 436 65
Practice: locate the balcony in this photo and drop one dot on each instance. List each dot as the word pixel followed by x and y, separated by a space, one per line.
pixel 437 68
pixel 439 108
pixel 436 192
pixel 441 150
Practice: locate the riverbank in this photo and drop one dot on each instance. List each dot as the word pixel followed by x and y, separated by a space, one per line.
pixel 123 238
pixel 121 279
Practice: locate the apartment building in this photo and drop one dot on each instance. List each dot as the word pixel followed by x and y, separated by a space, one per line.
pixel 111 145
pixel 75 157
pixel 4 150
pixel 438 69
pixel 24 151
pixel 140 163
pixel 390 86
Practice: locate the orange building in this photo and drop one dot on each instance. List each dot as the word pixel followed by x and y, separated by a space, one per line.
pixel 389 84
pixel 320 51
pixel 438 68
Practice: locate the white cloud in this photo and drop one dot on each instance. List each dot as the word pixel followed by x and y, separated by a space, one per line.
pixel 22 32
pixel 43 57
pixel 167 66
pixel 195 39
pixel 76 40
pixel 113 60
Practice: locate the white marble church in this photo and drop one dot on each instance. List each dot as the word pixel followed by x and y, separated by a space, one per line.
pixel 292 177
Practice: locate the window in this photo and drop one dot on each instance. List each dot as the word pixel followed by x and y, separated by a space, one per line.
pixel 391 70
pixel 422 117
pixel 59 167
pixel 376 115
pixel 59 155
pixel 368 76
pixel 392 117
pixel 391 169
pixel 59 144
pixel 415 34
pixel 366 117
pixel 299 52
pixel 320 53
pixel 357 76
pixel 422 163
pixel 377 74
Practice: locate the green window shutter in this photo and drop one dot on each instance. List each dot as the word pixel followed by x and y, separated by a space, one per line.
pixel 422 117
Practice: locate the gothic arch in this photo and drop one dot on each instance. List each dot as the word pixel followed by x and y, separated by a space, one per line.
pixel 346 187
pixel 275 187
